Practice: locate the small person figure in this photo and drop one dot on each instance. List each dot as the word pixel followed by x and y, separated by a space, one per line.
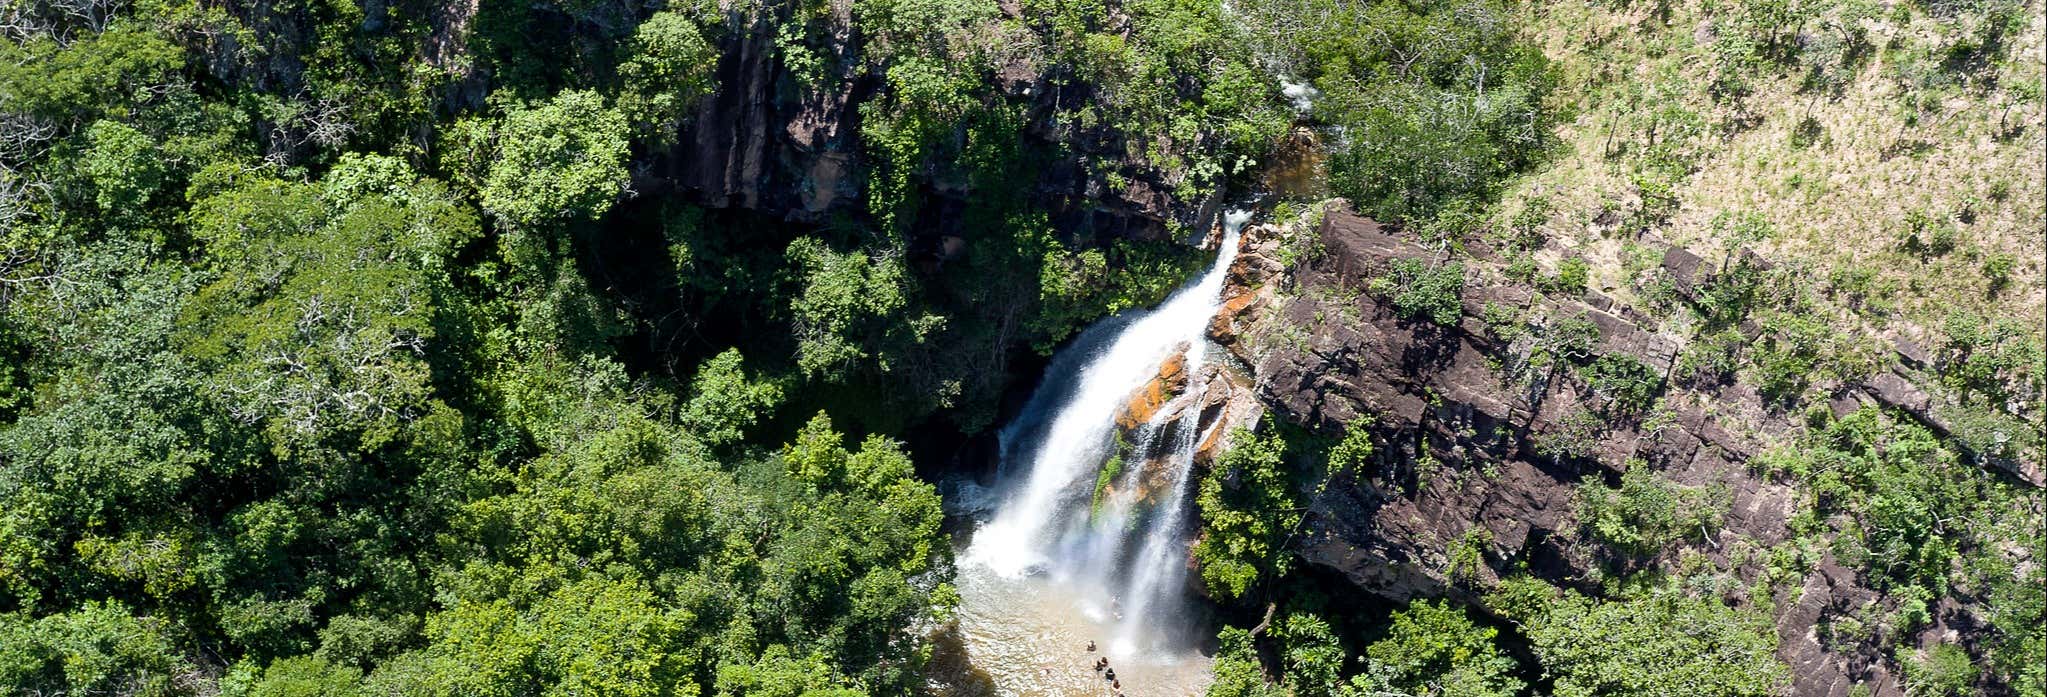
pixel 1091 646
pixel 1116 685
pixel 1101 663
pixel 1111 675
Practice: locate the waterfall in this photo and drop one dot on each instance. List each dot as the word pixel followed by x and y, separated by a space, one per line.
pixel 1122 551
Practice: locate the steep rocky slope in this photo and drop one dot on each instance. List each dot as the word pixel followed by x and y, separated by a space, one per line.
pixel 1484 446
pixel 763 142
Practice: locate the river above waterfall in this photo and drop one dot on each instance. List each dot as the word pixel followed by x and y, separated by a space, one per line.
pixel 1089 527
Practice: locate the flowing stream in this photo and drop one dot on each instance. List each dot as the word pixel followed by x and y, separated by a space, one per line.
pixel 1088 539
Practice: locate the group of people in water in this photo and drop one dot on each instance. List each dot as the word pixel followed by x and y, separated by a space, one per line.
pixel 1109 674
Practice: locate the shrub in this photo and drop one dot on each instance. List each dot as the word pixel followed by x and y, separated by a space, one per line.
pixel 1660 641
pixel 1658 191
pixel 1421 291
pixel 1106 476
pixel 1647 512
pixel 1745 228
pixel 1354 452
pixel 1998 361
pixel 1502 321
pixel 1710 359
pixel 1911 498
pixel 1942 671
pixel 1575 436
pixel 1572 277
pixel 1527 223
pixel 1927 233
pixel 1521 267
pixel 1997 270
pixel 1433 646
pixel 1796 349
pixel 1467 554
pixel 1729 296
pixel 1566 341
pixel 1453 223
pixel 1629 385
pixel 1247 507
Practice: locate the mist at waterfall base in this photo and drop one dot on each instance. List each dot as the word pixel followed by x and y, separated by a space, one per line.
pixel 1052 568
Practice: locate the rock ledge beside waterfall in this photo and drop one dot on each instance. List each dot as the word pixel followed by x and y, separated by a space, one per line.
pixel 1324 352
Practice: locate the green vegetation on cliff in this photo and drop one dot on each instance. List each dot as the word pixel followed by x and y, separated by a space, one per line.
pixel 384 348
pixel 1827 210
pixel 576 347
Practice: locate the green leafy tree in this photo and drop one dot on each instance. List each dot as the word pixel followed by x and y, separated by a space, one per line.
pixel 723 402
pixel 302 676
pixel 670 66
pixel 849 310
pixel 1432 649
pixel 1655 641
pixel 1238 672
pixel 319 320
pixel 77 81
pixel 123 167
pixel 1648 512
pixel 1314 657
pixel 98 648
pixel 563 159
pixel 1437 104
pixel 591 637
pixel 1941 671
pixel 845 575
pixel 1423 291
pixel 1248 509
pixel 777 674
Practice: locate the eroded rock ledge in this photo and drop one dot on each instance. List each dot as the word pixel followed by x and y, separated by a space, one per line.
pixel 1459 464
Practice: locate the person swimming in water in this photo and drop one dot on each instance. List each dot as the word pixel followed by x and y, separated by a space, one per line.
pixel 1090 646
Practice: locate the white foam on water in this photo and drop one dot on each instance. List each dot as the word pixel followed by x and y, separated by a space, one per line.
pixel 1119 565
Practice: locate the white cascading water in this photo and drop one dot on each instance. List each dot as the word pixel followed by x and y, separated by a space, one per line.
pixel 1123 557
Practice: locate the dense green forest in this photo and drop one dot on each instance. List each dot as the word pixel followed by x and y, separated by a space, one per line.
pixel 355 347
pixel 345 352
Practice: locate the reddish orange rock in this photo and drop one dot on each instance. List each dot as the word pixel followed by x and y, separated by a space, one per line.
pixel 1172 378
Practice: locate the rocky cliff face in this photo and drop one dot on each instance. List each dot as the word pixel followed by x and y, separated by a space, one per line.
pixel 1459 419
pixel 766 144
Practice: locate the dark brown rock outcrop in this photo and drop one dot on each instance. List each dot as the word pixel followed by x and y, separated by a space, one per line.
pixel 766 143
pixel 1461 417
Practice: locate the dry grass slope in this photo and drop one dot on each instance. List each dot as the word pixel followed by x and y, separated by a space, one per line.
pixel 1845 146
